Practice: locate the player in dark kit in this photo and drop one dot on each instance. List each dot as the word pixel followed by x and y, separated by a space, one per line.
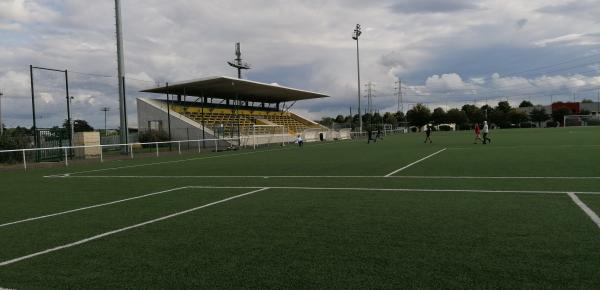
pixel 370 136
pixel 428 134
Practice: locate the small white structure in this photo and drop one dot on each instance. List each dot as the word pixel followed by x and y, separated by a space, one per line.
pixel 87 139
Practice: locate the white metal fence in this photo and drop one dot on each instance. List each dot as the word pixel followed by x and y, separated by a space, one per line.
pixel 100 153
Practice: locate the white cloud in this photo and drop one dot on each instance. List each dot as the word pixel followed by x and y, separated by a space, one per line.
pixel 571 39
pixel 304 44
pixel 25 11
pixel 47 98
pixel 447 82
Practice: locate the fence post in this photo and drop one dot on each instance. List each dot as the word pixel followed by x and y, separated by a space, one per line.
pixel 216 146
pixel 254 137
pixel 156 149
pixel 24 160
pixel 66 157
pixel 131 150
pixel 282 135
pixel 179 147
pixel 199 146
pixel 101 155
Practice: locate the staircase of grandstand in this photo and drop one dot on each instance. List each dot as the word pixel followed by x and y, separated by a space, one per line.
pixel 246 117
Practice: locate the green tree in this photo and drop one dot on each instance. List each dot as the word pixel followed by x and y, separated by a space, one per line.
pixel 475 114
pixel 377 119
pixel 78 126
pixel 485 110
pixel 559 114
pixel 15 138
pixel 504 107
pixel 517 117
pixel 587 101
pixel 499 118
pixel 339 119
pixel 419 115
pixel 458 117
pixel 400 117
pixel 525 104
pixel 389 118
pixel 439 116
pixel 326 121
pixel 356 121
pixel 539 115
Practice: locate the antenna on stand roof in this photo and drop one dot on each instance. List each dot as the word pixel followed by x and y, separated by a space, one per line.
pixel 237 62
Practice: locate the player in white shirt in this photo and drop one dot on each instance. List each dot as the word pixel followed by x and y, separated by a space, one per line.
pixel 299 141
pixel 486 131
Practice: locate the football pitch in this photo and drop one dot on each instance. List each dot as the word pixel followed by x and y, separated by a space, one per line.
pixel 520 212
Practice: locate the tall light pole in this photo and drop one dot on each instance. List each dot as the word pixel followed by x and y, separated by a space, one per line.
pixel 399 95
pixel 121 76
pixel 355 36
pixel 370 90
pixel 69 98
pixel 70 120
pixel 1 127
pixel 597 107
pixel 105 110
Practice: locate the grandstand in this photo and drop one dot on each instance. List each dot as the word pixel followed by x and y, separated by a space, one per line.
pixel 215 107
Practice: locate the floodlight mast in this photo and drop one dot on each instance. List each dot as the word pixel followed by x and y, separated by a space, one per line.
pixel 1 127
pixel 105 110
pixel 355 35
pixel 237 62
pixel 121 78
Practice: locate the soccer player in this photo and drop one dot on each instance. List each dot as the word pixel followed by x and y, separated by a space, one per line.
pixel 428 134
pixel 378 136
pixel 486 131
pixel 477 133
pixel 370 136
pixel 299 141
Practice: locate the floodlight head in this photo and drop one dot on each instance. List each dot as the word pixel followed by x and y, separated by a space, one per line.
pixel 357 32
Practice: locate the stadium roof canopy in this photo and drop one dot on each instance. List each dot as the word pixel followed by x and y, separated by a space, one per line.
pixel 233 88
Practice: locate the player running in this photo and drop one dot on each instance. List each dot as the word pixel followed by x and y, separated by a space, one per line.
pixel 378 135
pixel 299 141
pixel 370 136
pixel 486 131
pixel 477 134
pixel 428 134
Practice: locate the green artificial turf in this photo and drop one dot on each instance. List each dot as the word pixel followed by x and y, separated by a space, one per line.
pixel 474 236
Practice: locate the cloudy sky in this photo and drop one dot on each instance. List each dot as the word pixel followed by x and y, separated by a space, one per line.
pixel 447 52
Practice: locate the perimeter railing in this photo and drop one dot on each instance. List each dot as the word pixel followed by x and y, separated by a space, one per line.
pixel 99 153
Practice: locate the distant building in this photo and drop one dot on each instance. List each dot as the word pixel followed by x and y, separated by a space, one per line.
pixel 575 107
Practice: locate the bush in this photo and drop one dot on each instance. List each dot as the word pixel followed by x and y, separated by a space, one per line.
pixel 153 136
pixel 552 124
pixel 11 141
pixel 445 128
pixel 527 125
pixel 593 122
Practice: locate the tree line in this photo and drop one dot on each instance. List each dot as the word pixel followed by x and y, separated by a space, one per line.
pixel 502 116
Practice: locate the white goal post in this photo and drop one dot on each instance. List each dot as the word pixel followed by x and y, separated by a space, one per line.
pixel 267 134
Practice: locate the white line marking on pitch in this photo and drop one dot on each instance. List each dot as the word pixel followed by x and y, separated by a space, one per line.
pixel 326 176
pixel 409 165
pixel 215 176
pixel 495 177
pixel 89 207
pixel 394 189
pixel 86 240
pixel 590 213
